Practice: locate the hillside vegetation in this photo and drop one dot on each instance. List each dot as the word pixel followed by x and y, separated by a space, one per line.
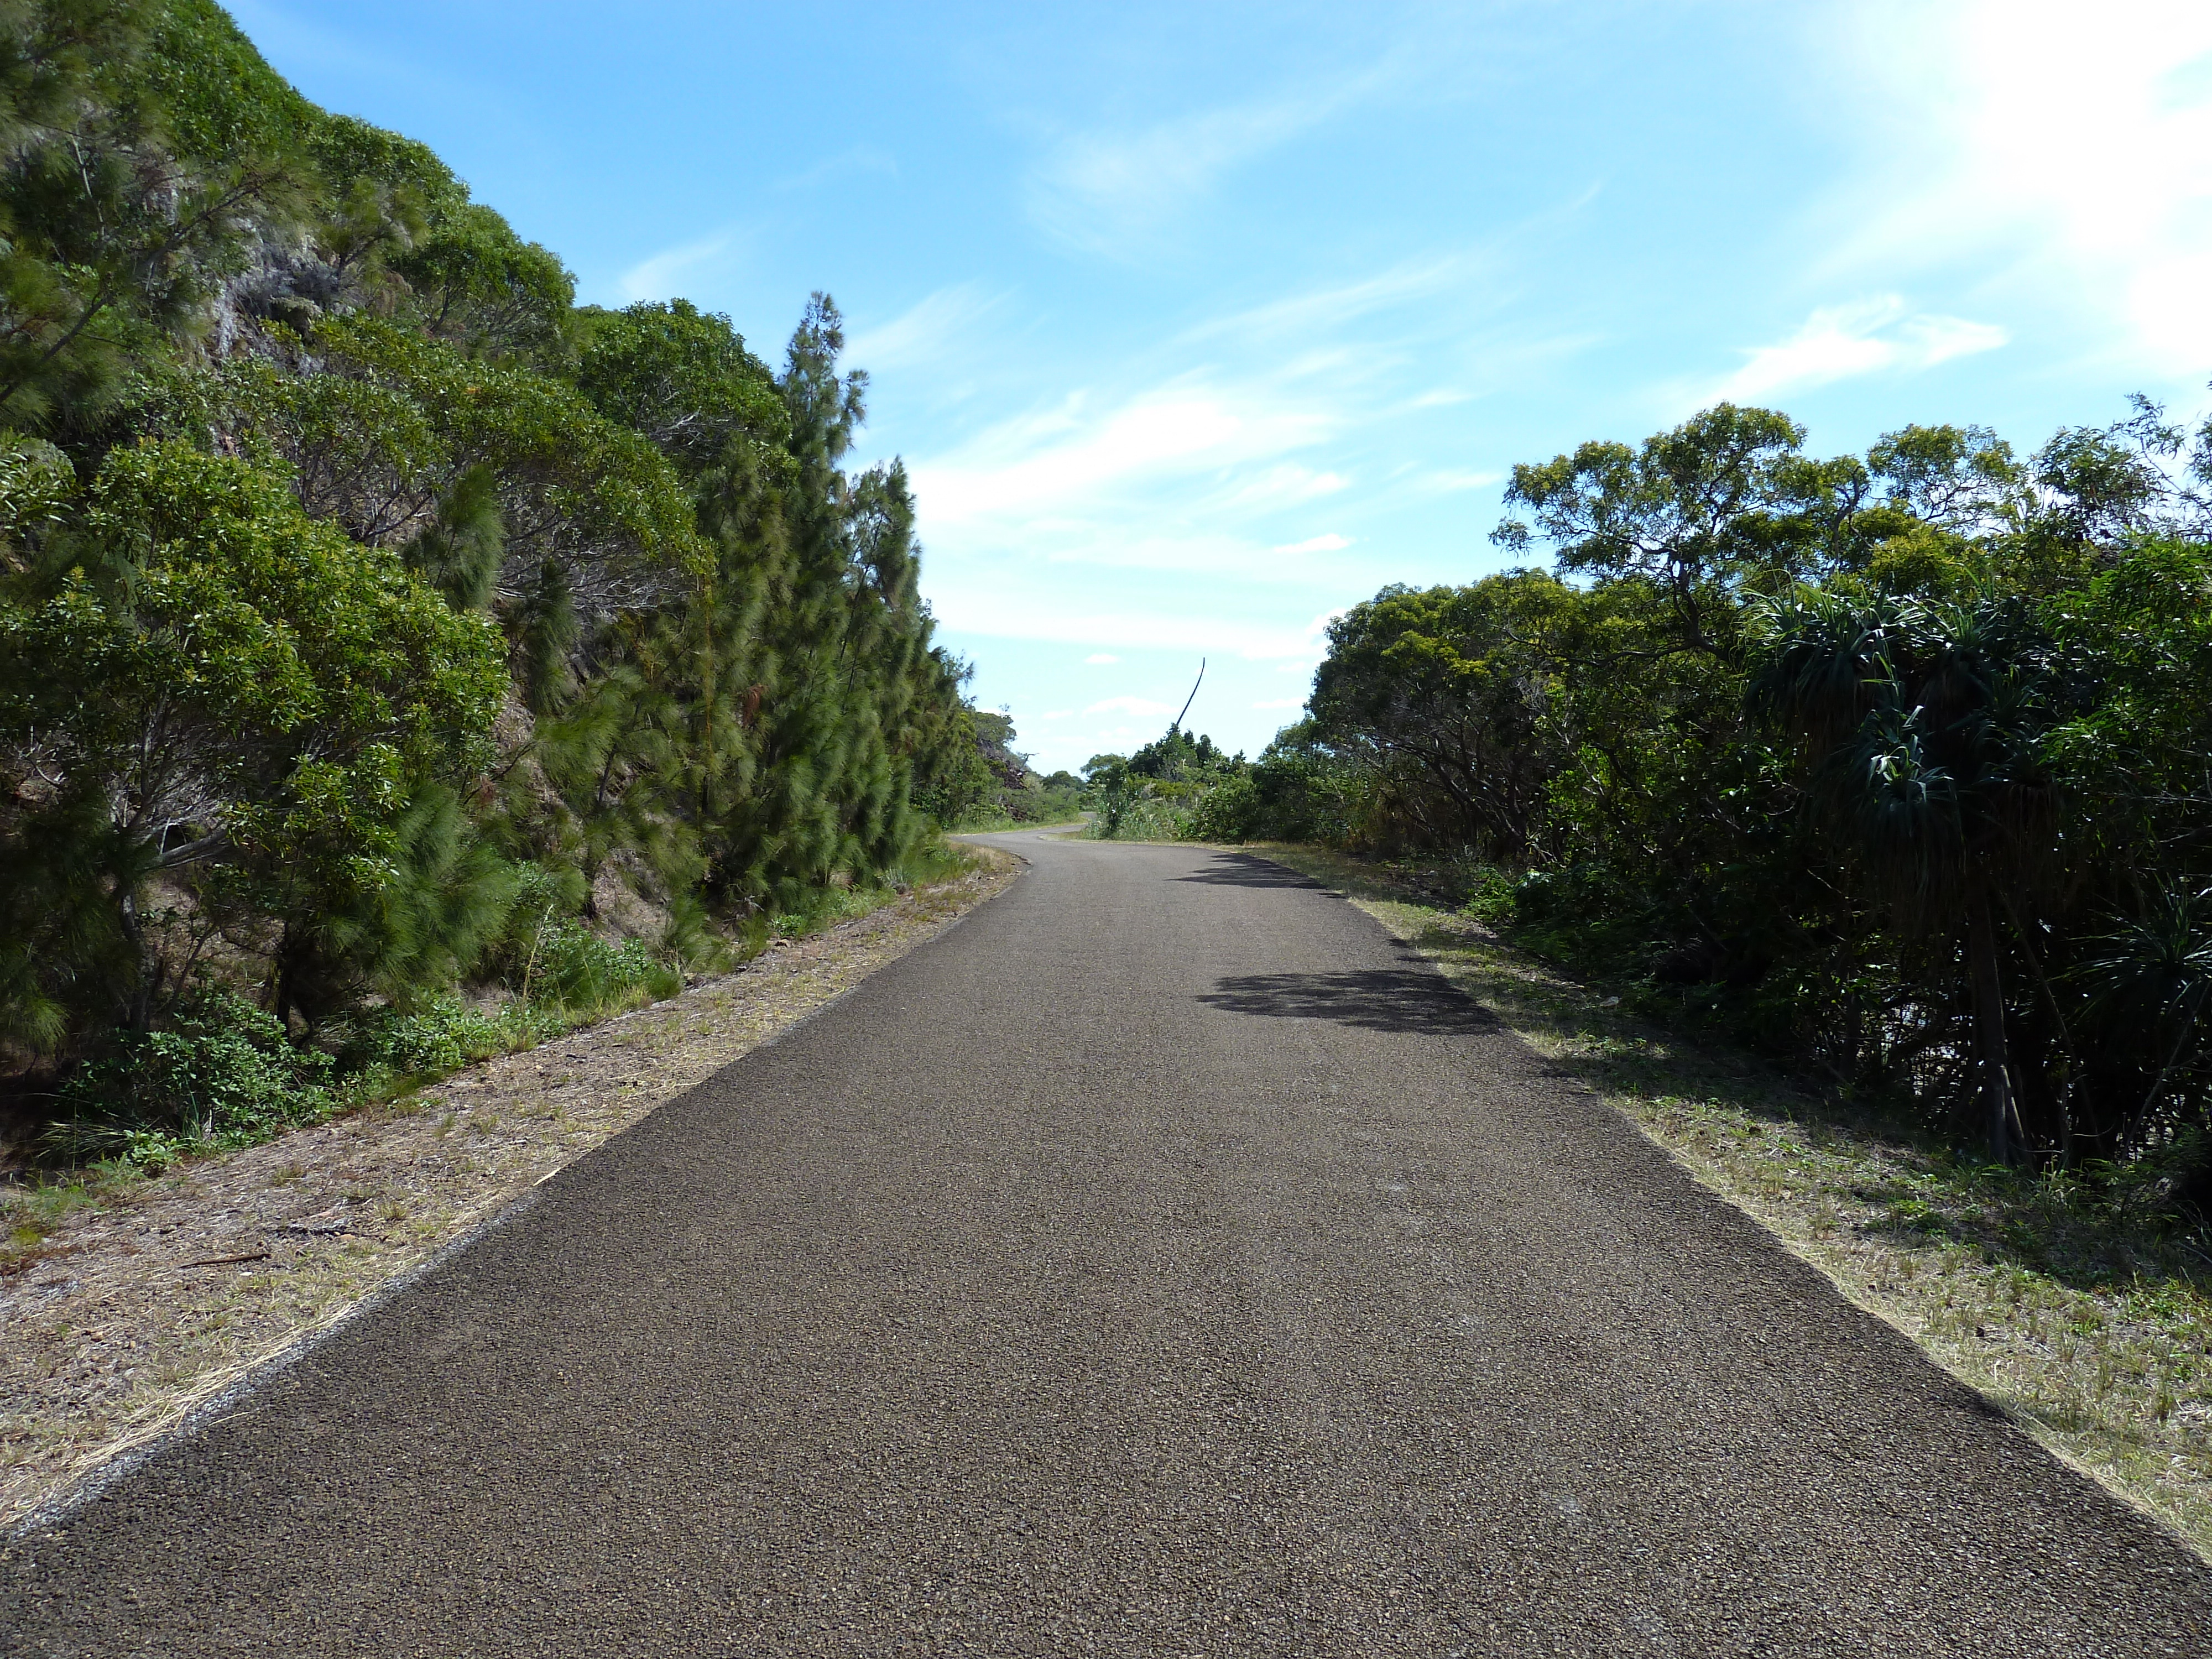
pixel 1897 767
pixel 1013 792
pixel 376 622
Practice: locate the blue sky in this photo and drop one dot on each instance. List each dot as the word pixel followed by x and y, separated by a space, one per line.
pixel 1197 322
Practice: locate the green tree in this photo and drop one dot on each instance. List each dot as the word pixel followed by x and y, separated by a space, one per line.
pixel 358 580
pixel 1449 700
pixel 120 216
pixel 214 680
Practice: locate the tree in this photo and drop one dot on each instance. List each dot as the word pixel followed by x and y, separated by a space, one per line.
pixel 612 759
pixel 1449 700
pixel 213 681
pixel 1724 501
pixel 358 580
pixel 120 198
pixel 389 423
pixel 683 378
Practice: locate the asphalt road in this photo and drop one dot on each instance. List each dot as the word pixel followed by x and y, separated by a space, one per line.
pixel 1162 1262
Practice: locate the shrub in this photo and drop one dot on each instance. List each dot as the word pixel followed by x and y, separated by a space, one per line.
pixel 445 1034
pixel 579 970
pixel 224 1072
pixel 1142 817
pixel 1492 896
pixel 1229 812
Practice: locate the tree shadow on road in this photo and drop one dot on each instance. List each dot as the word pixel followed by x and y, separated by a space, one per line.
pixel 1241 869
pixel 1372 998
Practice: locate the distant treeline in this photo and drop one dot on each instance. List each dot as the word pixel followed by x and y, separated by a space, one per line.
pixel 1900 766
pixel 369 612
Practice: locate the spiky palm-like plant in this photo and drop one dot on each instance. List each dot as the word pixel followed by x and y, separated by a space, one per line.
pixel 1918 718
pixel 2155 968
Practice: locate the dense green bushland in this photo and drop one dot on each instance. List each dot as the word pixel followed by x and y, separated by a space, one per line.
pixel 1898 765
pixel 1184 787
pixel 1007 790
pixel 374 622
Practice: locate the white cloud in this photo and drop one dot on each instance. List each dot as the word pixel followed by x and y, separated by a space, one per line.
pixel 1281 702
pixel 1318 626
pixel 1312 314
pixel 1100 657
pixel 992 608
pixel 1211 466
pixel 1112 192
pixel 1183 509
pixel 1863 337
pixel 1129 706
pixel 1280 486
pixel 658 277
pixel 1061 458
pixel 1108 193
pixel 2063 151
pixel 925 333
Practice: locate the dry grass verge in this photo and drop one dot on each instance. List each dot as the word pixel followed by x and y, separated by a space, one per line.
pixel 2095 1335
pixel 145 1299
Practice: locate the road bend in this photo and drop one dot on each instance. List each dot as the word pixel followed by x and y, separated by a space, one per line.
pixel 1163 1261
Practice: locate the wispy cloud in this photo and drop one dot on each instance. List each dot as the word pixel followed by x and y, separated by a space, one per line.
pixel 1213 497
pixel 990 607
pixel 1108 192
pixel 2066 153
pixel 658 277
pixel 1321 310
pixel 1280 486
pixel 1865 337
pixel 934 328
pixel 1061 459
pixel 1109 189
pixel 1112 192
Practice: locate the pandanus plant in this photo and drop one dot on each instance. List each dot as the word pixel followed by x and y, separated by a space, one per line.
pixel 2154 971
pixel 1918 718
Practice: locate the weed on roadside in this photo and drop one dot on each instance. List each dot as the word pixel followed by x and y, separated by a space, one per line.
pixel 33 1211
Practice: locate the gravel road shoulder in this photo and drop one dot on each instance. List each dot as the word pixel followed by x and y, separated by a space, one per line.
pixel 132 1313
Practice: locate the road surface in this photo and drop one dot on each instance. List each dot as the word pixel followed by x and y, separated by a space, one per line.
pixel 1161 1262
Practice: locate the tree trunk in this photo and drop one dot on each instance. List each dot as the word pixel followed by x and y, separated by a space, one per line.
pixel 137 1008
pixel 1989 1023
pixel 707 703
